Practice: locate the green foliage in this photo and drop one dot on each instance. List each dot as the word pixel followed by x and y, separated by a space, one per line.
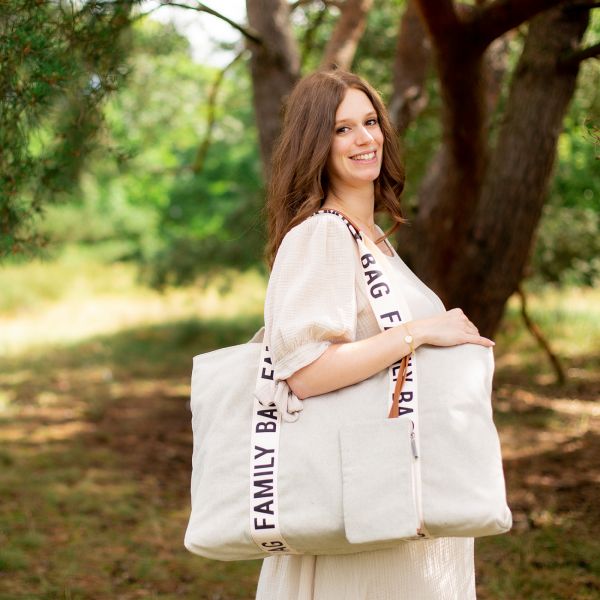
pixel 374 59
pixel 213 218
pixel 144 191
pixel 59 61
pixel 124 164
pixel 567 250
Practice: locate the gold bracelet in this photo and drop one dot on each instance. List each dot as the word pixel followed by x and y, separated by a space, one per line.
pixel 409 339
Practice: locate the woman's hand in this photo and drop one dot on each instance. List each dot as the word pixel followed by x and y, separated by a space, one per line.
pixel 347 363
pixel 448 329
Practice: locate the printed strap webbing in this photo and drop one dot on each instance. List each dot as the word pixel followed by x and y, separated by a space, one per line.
pixel 391 310
pixel 264 456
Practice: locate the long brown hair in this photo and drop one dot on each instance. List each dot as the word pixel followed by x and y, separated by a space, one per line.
pixel 299 180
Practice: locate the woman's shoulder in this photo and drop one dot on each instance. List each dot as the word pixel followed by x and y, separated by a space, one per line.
pixel 321 238
pixel 327 227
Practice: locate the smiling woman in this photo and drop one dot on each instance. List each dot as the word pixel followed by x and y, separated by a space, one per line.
pixel 331 119
pixel 338 152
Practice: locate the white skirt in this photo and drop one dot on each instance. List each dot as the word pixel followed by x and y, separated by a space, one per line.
pixel 439 569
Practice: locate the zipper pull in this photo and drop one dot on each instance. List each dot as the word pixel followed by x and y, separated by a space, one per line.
pixel 413 444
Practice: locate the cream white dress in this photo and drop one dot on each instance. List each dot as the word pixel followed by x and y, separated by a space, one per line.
pixel 316 296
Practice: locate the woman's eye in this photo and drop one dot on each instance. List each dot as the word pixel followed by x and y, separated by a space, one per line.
pixel 372 121
pixel 341 129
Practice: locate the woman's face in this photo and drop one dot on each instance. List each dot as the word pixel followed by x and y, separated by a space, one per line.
pixel 357 148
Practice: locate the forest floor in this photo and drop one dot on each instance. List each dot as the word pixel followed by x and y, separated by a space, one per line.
pixel 95 440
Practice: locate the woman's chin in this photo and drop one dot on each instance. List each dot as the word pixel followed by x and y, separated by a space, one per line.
pixel 367 177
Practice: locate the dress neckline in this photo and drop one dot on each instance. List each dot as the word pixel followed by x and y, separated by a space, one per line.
pixel 388 245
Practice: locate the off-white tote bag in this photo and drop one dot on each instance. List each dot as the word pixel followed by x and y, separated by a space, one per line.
pixel 343 477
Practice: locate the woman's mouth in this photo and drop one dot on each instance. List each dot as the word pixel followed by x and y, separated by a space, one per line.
pixel 365 157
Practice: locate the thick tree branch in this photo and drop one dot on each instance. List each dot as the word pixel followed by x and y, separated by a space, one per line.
pixel 200 7
pixel 349 28
pixel 583 5
pixel 274 68
pixel 440 18
pixel 490 21
pixel 198 164
pixel 579 55
pixel 413 56
pixel 537 333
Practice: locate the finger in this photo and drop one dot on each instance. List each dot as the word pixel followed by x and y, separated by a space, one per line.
pixel 482 341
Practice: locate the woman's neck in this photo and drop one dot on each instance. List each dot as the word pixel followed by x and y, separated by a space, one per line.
pixel 357 204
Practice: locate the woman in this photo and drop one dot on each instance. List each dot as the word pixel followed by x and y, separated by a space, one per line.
pixel 338 151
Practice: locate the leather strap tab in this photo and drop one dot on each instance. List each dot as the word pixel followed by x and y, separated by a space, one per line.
pixel 401 378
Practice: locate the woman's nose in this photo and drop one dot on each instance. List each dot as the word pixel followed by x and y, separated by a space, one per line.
pixel 364 136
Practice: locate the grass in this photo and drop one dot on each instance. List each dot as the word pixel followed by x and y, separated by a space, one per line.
pixel 78 296
pixel 95 442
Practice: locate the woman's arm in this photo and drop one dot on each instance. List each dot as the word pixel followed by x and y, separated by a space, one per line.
pixel 348 363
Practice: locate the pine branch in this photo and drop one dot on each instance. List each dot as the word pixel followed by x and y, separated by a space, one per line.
pixel 200 7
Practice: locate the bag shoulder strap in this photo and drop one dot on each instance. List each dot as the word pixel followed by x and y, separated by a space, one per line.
pixel 403 367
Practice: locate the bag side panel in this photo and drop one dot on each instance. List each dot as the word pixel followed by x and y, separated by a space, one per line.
pixel 222 394
pixel 460 447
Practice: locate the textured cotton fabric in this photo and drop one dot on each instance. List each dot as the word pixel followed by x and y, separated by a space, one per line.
pixel 317 296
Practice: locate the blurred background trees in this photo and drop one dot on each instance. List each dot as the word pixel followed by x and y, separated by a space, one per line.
pixel 114 137
pixel 127 160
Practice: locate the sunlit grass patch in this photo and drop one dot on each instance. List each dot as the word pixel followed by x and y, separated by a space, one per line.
pixel 98 510
pixel 75 297
pixel 95 446
pixel 569 318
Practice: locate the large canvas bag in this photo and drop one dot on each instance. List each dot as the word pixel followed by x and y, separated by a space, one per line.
pixel 343 477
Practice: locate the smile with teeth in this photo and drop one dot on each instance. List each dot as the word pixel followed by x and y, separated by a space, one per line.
pixel 367 156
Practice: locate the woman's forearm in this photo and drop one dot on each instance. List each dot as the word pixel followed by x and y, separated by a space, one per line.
pixel 345 364
pixel 348 363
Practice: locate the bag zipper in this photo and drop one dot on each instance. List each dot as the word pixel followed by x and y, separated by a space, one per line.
pixel 416 475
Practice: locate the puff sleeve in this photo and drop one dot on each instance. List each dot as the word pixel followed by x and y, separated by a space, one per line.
pixel 311 296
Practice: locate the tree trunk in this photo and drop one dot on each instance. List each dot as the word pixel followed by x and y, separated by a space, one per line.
pixel 474 227
pixel 411 63
pixel 450 190
pixel 274 67
pixel 341 48
pixel 478 210
pixel 520 169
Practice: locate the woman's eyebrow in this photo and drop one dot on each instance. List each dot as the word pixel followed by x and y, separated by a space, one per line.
pixel 369 114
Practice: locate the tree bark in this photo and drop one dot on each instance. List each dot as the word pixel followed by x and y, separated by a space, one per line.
pixel 496 65
pixel 474 227
pixel 411 63
pixel 520 168
pixel 274 68
pixel 450 191
pixel 341 48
